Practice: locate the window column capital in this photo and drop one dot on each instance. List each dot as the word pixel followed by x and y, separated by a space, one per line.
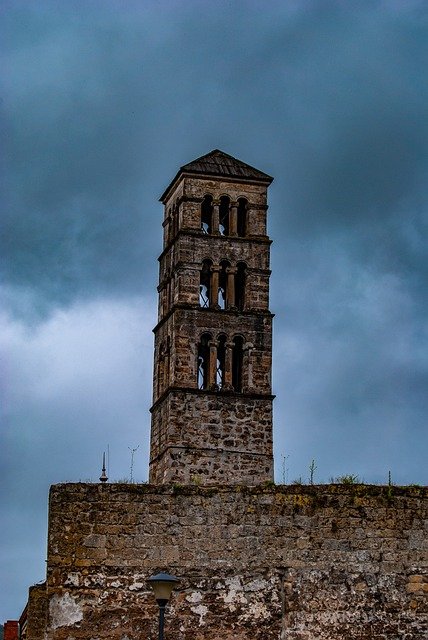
pixel 232 270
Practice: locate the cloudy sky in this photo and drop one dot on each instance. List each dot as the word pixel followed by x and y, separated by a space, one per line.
pixel 102 102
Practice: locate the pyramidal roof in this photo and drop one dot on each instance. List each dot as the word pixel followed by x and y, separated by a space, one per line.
pixel 218 163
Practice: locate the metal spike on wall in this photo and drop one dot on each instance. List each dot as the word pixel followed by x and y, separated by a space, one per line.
pixel 103 476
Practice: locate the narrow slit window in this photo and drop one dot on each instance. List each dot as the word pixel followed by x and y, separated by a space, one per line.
pixel 169 226
pixel 175 219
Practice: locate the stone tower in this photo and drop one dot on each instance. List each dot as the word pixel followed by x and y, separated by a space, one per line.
pixel 212 396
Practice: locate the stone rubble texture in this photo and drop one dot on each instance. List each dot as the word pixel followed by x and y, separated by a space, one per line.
pixel 255 563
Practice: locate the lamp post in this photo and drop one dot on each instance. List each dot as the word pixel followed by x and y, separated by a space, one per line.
pixel 162 584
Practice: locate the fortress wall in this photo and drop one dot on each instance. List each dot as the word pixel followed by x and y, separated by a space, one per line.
pixel 255 563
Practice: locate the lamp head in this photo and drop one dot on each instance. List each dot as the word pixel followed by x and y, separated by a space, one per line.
pixel 162 585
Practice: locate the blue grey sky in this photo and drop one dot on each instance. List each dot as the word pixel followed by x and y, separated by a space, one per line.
pixel 101 103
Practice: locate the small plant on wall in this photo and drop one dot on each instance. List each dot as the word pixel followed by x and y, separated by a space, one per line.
pixel 347 479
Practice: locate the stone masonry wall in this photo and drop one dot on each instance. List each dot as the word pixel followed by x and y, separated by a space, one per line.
pixel 255 563
pixel 34 625
pixel 211 438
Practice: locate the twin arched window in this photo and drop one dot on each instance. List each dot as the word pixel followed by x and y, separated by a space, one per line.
pixel 224 217
pixel 220 363
pixel 222 286
pixel 221 217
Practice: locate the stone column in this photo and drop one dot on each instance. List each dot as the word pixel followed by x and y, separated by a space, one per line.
pixel 212 367
pixel 247 368
pixel 228 366
pixel 216 218
pixel 214 286
pixel 233 219
pixel 230 290
pixel 249 222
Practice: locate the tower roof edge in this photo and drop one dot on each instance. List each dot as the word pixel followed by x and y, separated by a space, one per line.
pixel 220 164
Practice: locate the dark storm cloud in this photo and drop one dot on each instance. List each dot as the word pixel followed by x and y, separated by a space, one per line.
pixel 97 100
pixel 102 102
pixel 76 169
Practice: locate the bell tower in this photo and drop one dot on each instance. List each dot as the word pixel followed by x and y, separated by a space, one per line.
pixel 212 396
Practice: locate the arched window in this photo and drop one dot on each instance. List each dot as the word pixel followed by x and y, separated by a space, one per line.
pixel 207 214
pixel 240 286
pixel 204 361
pixel 242 217
pixel 205 284
pixel 223 213
pixel 222 284
pixel 237 359
pixel 221 362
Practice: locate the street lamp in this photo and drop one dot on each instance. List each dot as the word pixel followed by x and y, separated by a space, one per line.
pixel 162 584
